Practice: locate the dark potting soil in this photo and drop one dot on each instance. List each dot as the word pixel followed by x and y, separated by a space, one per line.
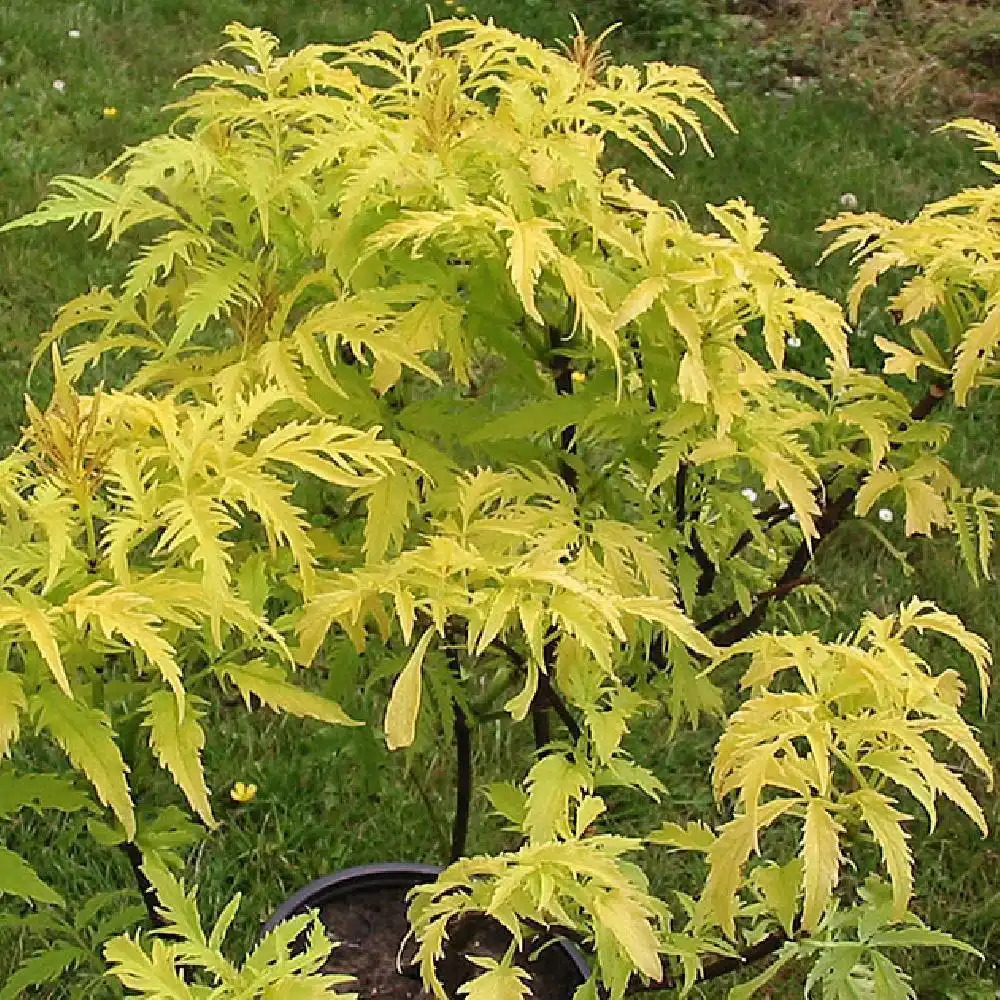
pixel 370 924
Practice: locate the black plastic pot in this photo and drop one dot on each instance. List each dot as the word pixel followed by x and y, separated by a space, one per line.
pixel 390 875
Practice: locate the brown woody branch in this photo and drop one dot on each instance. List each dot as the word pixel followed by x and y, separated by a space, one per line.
pixel 547 697
pixel 831 516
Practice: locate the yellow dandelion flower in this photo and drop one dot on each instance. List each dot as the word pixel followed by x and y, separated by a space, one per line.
pixel 243 792
pixel 579 377
pixel 449 3
pixel 110 112
pixel 461 10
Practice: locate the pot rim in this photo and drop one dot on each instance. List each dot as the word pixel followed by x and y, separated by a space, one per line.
pixel 388 874
pixel 319 890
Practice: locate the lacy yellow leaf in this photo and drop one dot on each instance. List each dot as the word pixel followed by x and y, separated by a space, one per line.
pixel 530 248
pixel 86 736
pixel 821 860
pixel 879 482
pixel 270 685
pixel 178 744
pixel 780 886
pixel 923 615
pixel 388 502
pixel 693 837
pixel 975 354
pixel 130 615
pixel 38 624
pixel 925 507
pixel 630 925
pixel 726 859
pixel 885 823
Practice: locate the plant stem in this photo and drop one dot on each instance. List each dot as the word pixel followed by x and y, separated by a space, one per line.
pixel 546 694
pixel 463 784
pixel 708 568
pixel 146 890
pixel 562 376
pixel 775 592
pixel 540 725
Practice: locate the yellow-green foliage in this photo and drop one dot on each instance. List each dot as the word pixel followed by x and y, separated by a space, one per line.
pixel 952 245
pixel 403 270
pixel 274 968
pixel 118 549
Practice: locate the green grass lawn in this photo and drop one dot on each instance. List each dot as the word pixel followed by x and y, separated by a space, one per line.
pixel 78 81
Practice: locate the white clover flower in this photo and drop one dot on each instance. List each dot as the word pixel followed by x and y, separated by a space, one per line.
pixel 793 341
pixel 793 517
pixel 750 494
pixel 59 85
pixel 849 201
pixel 885 514
pixel 73 33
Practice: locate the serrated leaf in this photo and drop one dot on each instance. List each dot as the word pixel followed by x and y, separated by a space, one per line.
pixel 919 937
pixel 497 983
pixel 222 925
pixel 587 813
pixel 40 791
pixel 925 507
pixel 150 975
pixel 878 483
pixel 974 354
pixel 553 783
pixel 727 857
pixel 388 505
pixel 530 248
pixel 885 823
pixel 508 801
pixel 37 622
pixel 821 860
pixel 693 837
pixel 631 927
pixel 45 967
pixel 921 615
pixel 780 885
pixel 86 737
pixel 177 745
pixel 18 878
pixel 271 687
pixel 748 989
pixel 889 983
pixel 893 766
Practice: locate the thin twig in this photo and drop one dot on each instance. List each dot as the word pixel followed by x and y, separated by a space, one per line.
pixel 830 518
pixel 552 698
pixel 775 592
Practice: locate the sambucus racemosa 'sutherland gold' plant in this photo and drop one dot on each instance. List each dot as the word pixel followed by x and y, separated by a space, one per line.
pixel 561 392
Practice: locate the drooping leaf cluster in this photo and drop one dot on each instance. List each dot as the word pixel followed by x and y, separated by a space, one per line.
pixel 127 524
